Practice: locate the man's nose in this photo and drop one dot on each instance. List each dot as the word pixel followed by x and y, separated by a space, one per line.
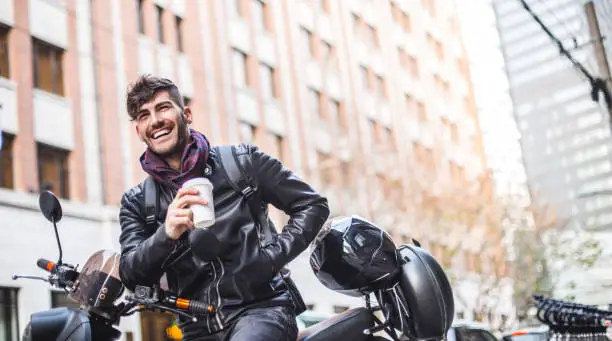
pixel 156 119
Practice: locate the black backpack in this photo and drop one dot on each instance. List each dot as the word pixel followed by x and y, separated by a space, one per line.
pixel 234 168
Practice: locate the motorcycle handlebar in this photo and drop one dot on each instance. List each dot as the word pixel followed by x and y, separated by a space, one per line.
pixel 154 297
pixel 62 274
pixel 46 265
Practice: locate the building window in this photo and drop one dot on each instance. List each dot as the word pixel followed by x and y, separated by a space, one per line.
pixel 186 101
pixel 240 68
pixel 372 36
pixel 325 51
pixel 140 14
pixel 430 6
pixel 179 33
pixel 247 132
pixel 409 102
pixel 160 24
pixel 48 71
pixel 235 8
pixel 446 90
pixel 278 146
pixel 60 299
pixel 155 326
pixel 340 309
pixel 267 81
pixel 314 102
pixel 357 26
pixel 403 57
pixel 422 113
pixel 389 139
pixel 365 77
pixel 326 168
pixel 413 67
pixel 260 17
pixel 396 12
pixel 374 132
pixel 328 55
pixel 322 5
pixel 439 50
pixel 334 110
pixel 6 161
pixel 342 117
pixel 4 52
pixel 381 91
pixel 53 170
pixel 307 42
pixel 9 323
pixel 406 23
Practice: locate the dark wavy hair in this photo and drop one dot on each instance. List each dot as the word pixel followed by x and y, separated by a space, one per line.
pixel 145 88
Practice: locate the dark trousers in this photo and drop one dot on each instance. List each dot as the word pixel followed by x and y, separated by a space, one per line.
pixel 260 324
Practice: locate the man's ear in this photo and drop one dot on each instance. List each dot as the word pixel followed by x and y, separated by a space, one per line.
pixel 188 115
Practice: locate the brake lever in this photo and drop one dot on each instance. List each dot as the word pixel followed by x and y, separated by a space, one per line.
pixel 176 311
pixel 152 303
pixel 16 277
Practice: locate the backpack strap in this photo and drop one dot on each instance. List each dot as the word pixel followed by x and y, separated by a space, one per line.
pixel 151 194
pixel 238 178
pixel 234 172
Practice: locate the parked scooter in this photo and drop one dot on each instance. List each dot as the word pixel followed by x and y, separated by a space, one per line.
pixel 350 255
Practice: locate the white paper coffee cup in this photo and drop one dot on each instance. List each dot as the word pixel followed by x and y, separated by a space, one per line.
pixel 203 216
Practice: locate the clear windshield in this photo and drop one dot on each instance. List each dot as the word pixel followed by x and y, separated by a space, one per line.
pixel 98 285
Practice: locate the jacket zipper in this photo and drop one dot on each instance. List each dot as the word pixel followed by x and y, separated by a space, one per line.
pixel 219 294
pixel 208 320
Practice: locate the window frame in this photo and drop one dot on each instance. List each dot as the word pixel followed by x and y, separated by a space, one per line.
pixel 56 55
pixel 61 159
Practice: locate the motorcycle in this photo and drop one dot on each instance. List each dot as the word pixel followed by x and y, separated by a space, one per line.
pixel 350 255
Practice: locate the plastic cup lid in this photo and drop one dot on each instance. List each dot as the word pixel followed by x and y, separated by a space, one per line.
pixel 196 182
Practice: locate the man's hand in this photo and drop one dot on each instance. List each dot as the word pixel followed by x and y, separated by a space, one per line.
pixel 179 217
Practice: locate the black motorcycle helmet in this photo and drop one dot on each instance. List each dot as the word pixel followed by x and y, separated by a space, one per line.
pixel 423 298
pixel 353 256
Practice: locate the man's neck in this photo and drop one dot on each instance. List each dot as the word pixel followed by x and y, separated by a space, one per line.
pixel 174 162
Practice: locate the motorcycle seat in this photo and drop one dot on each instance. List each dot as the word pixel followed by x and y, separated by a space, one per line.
pixel 348 325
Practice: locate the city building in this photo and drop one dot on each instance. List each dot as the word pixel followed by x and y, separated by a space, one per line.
pixel 359 97
pixel 565 135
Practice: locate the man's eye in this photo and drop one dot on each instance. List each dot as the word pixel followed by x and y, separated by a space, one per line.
pixel 142 117
pixel 164 108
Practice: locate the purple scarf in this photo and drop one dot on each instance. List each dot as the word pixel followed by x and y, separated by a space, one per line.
pixel 193 162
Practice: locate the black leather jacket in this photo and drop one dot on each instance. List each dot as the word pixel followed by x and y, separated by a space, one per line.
pixel 246 273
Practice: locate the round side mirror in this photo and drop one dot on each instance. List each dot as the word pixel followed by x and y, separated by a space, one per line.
pixel 50 206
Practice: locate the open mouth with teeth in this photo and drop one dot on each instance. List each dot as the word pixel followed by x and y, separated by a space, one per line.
pixel 160 133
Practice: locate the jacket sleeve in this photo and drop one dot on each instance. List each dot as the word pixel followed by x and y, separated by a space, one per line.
pixel 307 209
pixel 143 251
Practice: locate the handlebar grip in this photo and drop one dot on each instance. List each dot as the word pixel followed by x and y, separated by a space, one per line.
pixel 200 308
pixel 46 265
pixel 195 307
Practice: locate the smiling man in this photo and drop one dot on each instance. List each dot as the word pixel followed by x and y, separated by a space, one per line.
pixel 250 298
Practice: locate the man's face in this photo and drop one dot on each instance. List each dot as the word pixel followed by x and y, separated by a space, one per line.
pixel 161 125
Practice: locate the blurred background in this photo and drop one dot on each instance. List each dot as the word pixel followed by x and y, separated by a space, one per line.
pixel 479 128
